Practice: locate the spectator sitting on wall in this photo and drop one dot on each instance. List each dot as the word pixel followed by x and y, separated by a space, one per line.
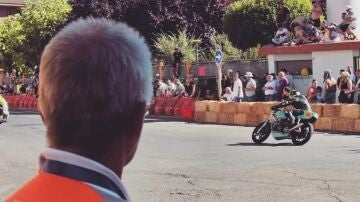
pixel 162 89
pixel 282 83
pixel 180 89
pixel 316 13
pixel 229 95
pixel 329 87
pixel 330 34
pixel 311 33
pixel 171 88
pixel 299 36
pixel 282 36
pixel 346 20
pixel 250 87
pixel 209 95
pixel 312 91
pixel 283 15
pixel 270 88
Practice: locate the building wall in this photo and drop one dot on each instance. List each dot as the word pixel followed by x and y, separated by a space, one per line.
pixel 8 10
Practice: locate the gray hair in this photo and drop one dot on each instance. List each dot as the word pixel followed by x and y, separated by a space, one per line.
pixel 94 75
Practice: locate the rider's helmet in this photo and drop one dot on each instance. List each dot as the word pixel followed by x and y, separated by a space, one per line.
pixel 294 93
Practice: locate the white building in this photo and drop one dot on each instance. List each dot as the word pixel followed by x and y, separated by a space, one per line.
pixel 315 57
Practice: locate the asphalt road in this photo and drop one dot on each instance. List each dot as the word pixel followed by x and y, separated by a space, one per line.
pixel 179 161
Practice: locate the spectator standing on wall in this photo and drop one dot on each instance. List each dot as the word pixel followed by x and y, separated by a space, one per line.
pixel 329 87
pixel 178 56
pixel 282 83
pixel 250 87
pixel 283 15
pixel 346 95
pixel 237 88
pixel 316 12
pixel 270 88
pixel 229 95
pixel 312 91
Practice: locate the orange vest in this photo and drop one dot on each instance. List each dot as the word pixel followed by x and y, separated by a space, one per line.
pixel 46 187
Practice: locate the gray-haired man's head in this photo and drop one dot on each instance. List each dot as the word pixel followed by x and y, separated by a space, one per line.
pixel 95 81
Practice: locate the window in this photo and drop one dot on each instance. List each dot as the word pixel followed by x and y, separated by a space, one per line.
pixel 294 67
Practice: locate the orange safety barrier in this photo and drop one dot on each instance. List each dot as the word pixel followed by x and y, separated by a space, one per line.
pixel 21 101
pixel 160 106
pixel 187 109
pixel 169 106
pixel 178 106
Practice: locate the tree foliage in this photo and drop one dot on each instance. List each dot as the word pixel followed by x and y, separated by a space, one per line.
pixel 166 43
pixel 24 36
pixel 200 18
pixel 252 22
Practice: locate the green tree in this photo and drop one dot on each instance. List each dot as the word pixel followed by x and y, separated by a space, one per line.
pixel 251 22
pixel 24 36
pixel 166 43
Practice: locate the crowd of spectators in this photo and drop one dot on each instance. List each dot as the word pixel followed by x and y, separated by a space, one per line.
pixel 13 84
pixel 302 30
pixel 346 89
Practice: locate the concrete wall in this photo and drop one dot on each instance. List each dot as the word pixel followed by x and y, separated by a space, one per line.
pixel 333 60
pixel 336 7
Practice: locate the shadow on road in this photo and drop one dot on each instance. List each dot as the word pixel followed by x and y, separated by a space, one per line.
pixel 247 144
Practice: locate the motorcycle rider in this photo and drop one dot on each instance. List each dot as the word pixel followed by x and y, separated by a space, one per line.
pixel 299 102
pixel 4 111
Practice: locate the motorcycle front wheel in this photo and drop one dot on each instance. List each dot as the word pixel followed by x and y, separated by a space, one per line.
pixel 261 132
pixel 301 138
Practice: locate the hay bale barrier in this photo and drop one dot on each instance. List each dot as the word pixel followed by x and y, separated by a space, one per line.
pixel 244 107
pixel 350 111
pixel 227 119
pixel 240 119
pixel 214 106
pixel 335 118
pixel 211 117
pixel 228 107
pixel 201 106
pixel 343 124
pixel 324 123
pixel 331 110
pixel 199 117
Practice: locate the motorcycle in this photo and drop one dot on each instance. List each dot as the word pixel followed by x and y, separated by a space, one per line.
pixel 4 114
pixel 280 127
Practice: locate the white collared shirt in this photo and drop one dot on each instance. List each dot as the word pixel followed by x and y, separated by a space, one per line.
pixel 77 160
pixel 271 84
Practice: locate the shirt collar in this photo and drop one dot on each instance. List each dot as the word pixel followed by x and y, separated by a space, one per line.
pixel 74 159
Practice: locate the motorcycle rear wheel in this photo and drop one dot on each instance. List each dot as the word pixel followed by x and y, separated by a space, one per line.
pixel 259 137
pixel 301 138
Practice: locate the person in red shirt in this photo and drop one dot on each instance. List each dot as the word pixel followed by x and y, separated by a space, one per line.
pixel 312 91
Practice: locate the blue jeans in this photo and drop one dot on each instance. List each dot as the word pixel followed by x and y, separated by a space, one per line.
pixel 250 99
pixel 270 97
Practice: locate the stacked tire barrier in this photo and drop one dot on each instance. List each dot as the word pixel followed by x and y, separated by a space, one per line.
pixel 24 102
pixel 339 118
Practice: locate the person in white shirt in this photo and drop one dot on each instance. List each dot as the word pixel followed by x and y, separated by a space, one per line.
pixel 270 88
pixel 282 36
pixel 229 95
pixel 237 88
pixel 171 88
pixel 250 87
pixel 357 88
